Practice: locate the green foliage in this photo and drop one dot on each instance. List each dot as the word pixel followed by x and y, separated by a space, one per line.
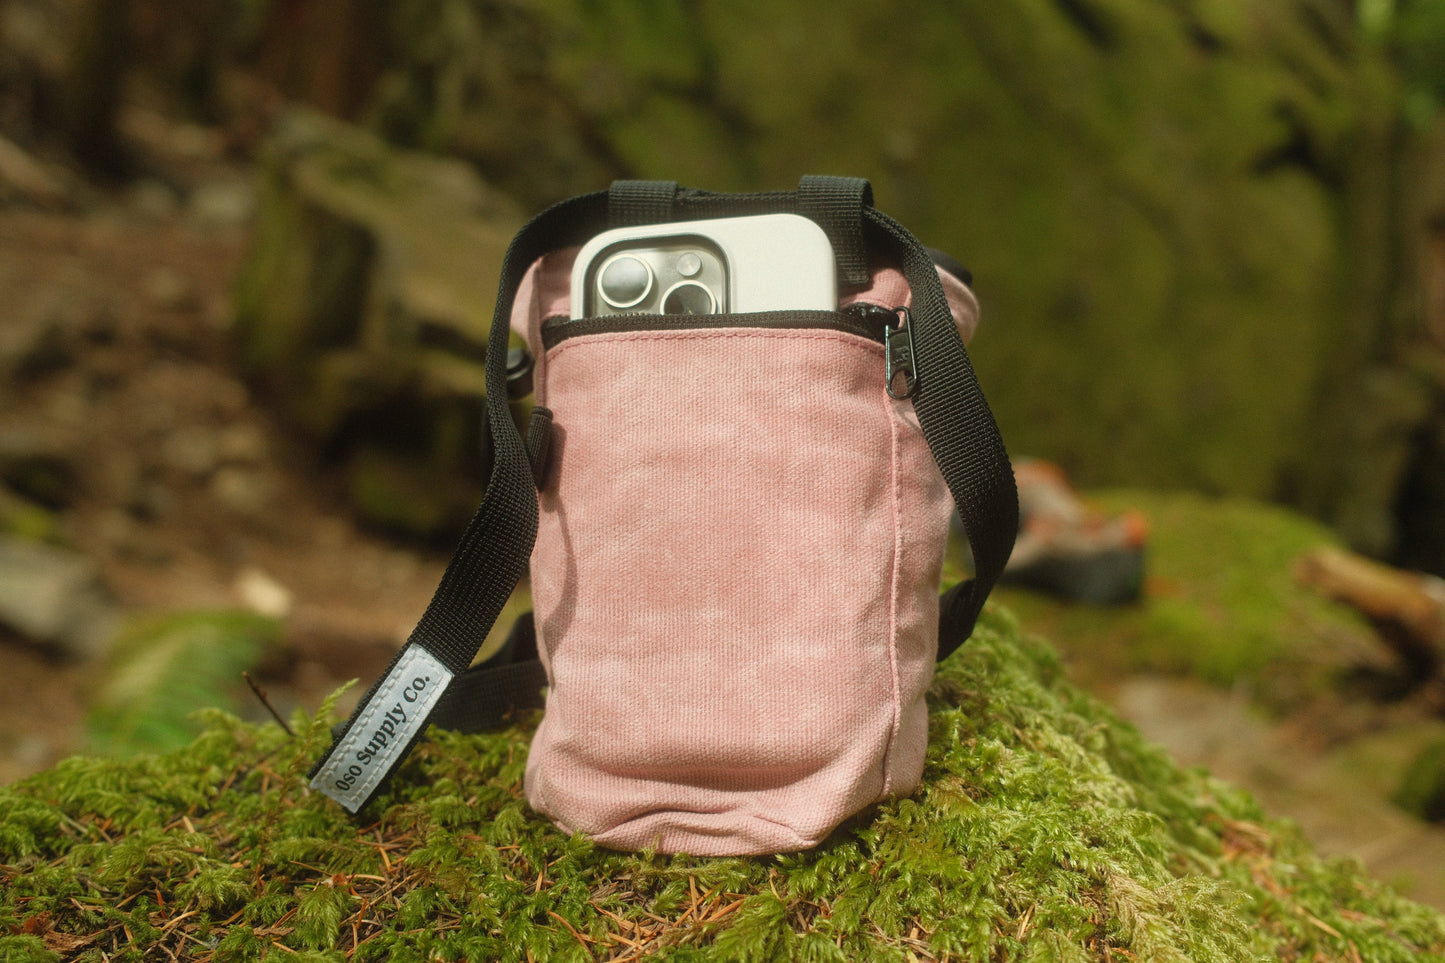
pixel 166 667
pixel 216 887
pixel 24 825
pixel 25 949
pixel 1045 829
pixel 319 913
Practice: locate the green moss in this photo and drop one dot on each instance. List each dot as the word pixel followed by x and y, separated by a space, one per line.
pixel 1422 788
pixel 1221 600
pixel 25 519
pixel 25 949
pixel 1045 829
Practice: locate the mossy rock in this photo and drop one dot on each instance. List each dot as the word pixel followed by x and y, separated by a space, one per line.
pixel 1422 787
pixel 365 304
pixel 1221 603
pixel 1045 829
pixel 1179 216
pixel 360 244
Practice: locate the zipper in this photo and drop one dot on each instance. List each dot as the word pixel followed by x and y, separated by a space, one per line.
pixel 899 357
pixel 896 325
pixel 890 327
pixel 869 321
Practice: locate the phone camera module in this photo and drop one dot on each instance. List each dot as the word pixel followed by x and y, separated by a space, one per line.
pixel 624 281
pixel 688 297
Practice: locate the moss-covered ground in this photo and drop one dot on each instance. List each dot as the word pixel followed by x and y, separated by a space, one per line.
pixel 1045 829
pixel 1221 603
pixel 1233 664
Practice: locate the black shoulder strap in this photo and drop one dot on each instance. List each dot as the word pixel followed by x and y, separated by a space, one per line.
pixel 430 680
pixel 960 429
pixel 837 203
pixel 489 561
pixel 641 202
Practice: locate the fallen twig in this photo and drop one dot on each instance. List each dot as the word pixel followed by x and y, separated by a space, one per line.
pixel 1407 609
pixel 261 694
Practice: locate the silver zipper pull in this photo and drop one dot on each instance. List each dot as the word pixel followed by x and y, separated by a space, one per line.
pixel 898 354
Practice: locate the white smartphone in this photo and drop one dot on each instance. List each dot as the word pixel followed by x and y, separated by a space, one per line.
pixel 764 262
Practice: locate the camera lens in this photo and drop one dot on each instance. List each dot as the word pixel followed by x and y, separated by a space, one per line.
pixel 688 264
pixel 624 281
pixel 688 297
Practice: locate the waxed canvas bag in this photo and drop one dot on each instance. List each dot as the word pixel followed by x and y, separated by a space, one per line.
pixel 735 526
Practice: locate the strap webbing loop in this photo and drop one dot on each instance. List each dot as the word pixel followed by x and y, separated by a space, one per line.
pixel 837 204
pixel 641 202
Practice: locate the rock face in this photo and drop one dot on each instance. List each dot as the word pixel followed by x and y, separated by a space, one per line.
pixel 1149 199
pixel 365 306
pixel 55 597
pixel 1195 229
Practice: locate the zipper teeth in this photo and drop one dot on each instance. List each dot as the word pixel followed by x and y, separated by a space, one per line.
pixel 865 320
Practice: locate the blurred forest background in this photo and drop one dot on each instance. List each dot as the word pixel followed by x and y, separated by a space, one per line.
pixel 1208 237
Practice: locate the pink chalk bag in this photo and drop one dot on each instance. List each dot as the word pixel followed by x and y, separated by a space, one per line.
pixel 754 415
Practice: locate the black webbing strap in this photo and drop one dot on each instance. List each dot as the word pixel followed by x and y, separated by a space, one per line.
pixel 490 559
pixel 491 693
pixel 959 427
pixel 640 202
pixel 837 204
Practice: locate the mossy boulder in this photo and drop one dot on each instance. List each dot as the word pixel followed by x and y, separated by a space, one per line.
pixel 1187 222
pixel 1221 603
pixel 1045 829
pixel 364 308
pixel 1194 226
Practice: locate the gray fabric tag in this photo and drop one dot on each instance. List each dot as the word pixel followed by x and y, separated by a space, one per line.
pixel 378 737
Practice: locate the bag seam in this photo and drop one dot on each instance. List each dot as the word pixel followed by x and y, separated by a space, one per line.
pixel 894 578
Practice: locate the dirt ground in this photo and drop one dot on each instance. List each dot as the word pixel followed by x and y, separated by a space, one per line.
pixel 179 482
pixel 188 492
